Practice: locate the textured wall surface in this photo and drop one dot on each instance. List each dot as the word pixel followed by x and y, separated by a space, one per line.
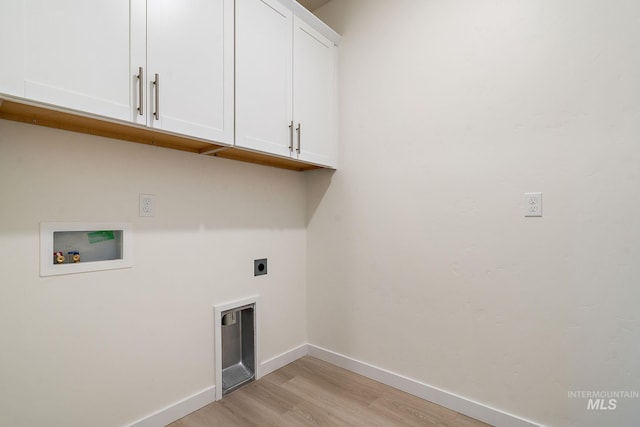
pixel 416 253
pixel 421 261
pixel 108 348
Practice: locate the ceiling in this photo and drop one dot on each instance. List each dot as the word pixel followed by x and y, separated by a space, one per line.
pixel 312 4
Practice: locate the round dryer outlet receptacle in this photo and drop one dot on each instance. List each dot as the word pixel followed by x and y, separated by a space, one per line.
pixel 260 267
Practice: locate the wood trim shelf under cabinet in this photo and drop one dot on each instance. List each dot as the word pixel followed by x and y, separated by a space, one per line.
pixel 28 112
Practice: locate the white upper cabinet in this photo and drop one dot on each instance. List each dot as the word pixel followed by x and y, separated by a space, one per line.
pixel 102 57
pixel 259 75
pixel 263 76
pixel 189 70
pixel 11 48
pixel 70 53
pixel 314 95
pixel 285 83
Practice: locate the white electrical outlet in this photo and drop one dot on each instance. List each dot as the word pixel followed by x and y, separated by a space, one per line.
pixel 147 205
pixel 532 204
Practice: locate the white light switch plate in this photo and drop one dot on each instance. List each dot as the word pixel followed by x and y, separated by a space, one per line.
pixel 532 204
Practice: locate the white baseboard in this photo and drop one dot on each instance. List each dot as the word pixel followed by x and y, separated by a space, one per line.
pixel 441 397
pixel 444 398
pixel 178 410
pixel 186 406
pixel 281 360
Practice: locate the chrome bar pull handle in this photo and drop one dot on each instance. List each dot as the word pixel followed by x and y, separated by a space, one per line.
pixel 291 136
pixel 299 131
pixel 140 89
pixel 156 83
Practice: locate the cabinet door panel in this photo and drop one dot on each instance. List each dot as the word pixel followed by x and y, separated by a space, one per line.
pixel 11 48
pixel 263 75
pixel 77 53
pixel 190 47
pixel 314 89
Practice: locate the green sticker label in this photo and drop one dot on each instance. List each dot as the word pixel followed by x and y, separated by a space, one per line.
pixel 100 236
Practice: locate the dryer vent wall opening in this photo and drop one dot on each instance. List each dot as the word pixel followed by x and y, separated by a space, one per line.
pixel 238 347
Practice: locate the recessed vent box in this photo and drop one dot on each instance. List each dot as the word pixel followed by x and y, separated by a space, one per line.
pixel 236 345
pixel 238 349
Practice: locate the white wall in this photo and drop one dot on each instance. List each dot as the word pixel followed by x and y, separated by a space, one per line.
pixel 108 348
pixel 420 259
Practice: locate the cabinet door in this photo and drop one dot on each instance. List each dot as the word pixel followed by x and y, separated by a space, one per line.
pixel 190 48
pixel 76 54
pixel 314 91
pixel 263 76
pixel 11 48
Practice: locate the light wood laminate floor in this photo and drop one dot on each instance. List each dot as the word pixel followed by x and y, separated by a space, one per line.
pixel 310 392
